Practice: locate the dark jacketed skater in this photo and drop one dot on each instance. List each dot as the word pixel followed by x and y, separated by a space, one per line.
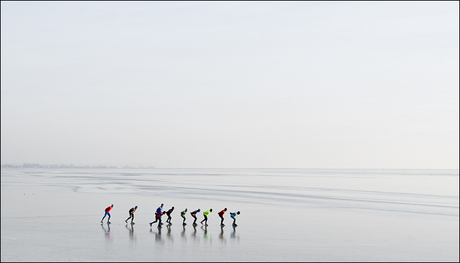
pixel 194 215
pixel 107 213
pixel 232 215
pixel 158 215
pixel 221 215
pixel 131 214
pixel 182 214
pixel 168 213
pixel 205 214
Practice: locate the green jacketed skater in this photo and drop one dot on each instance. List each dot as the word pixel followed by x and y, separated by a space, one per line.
pixel 205 214
pixel 183 215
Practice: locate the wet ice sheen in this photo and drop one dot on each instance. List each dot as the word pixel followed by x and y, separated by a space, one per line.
pixel 287 215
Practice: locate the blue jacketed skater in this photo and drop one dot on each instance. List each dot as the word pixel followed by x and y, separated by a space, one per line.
pixel 194 215
pixel 232 215
pixel 158 215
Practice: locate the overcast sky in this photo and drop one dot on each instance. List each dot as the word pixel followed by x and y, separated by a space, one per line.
pixel 231 84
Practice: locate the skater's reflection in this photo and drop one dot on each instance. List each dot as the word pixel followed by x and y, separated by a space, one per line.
pixel 169 232
pixel 131 231
pixel 194 232
pixel 233 234
pixel 221 235
pixel 157 235
pixel 108 237
pixel 205 229
pixel 183 233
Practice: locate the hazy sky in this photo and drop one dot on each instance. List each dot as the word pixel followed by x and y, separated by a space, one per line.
pixel 231 84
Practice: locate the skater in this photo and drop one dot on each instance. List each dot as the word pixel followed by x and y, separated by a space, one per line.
pixel 168 213
pixel 232 215
pixel 205 214
pixel 160 209
pixel 107 213
pixel 158 218
pixel 158 215
pixel 194 215
pixel 183 213
pixel 221 215
pixel 131 214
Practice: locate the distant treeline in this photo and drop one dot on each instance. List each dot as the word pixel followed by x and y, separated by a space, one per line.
pixel 36 165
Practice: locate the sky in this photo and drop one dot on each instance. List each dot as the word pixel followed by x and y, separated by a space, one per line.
pixel 231 84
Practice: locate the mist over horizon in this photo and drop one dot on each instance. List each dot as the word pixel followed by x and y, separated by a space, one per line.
pixel 366 85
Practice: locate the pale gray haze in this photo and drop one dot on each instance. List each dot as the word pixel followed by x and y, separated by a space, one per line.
pixel 231 84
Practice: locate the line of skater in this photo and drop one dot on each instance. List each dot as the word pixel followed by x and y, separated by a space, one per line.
pixel 159 213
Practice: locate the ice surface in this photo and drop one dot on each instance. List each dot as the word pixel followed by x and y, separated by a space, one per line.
pixel 286 215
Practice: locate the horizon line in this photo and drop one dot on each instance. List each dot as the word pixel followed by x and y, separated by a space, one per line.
pixel 99 166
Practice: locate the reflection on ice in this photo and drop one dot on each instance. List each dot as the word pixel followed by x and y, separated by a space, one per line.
pixel 194 232
pixel 221 235
pixel 233 235
pixel 205 234
pixel 130 228
pixel 184 237
pixel 157 235
pixel 108 237
pixel 168 234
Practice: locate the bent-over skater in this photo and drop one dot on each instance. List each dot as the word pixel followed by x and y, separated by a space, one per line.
pixel 194 215
pixel 131 214
pixel 221 215
pixel 168 213
pixel 205 214
pixel 158 215
pixel 232 215
pixel 107 213
pixel 182 214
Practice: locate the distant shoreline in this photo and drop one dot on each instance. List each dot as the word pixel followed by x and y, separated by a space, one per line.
pixel 71 166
